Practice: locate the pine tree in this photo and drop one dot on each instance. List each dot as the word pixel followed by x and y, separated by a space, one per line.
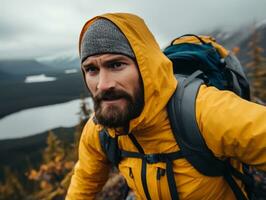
pixel 257 69
pixel 12 188
pixel 54 149
pixel 84 115
pixel 56 165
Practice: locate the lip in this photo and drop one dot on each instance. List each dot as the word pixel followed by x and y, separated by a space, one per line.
pixel 115 101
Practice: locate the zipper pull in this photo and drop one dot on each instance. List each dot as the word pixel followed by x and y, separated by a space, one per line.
pixel 160 173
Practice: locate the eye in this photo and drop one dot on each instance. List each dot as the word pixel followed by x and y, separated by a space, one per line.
pixel 116 65
pixel 91 69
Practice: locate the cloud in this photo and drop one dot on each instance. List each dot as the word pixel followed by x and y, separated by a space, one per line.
pixel 31 29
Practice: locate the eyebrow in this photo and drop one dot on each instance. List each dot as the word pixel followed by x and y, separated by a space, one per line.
pixel 108 61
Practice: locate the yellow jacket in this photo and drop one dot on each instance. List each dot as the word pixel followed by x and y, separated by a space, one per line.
pixel 231 127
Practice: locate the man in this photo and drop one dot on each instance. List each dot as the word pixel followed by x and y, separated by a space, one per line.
pixel 131 82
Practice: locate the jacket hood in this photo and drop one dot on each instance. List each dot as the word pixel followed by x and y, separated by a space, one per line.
pixel 155 68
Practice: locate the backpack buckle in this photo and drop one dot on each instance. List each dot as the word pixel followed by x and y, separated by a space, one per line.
pixel 152 158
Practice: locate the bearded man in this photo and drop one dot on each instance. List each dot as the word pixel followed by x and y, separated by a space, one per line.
pixel 131 82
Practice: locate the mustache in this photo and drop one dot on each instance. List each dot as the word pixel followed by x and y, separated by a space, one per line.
pixel 111 94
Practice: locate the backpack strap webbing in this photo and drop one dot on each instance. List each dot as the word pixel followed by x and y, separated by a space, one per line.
pixel 143 166
pixel 113 153
pixel 181 110
pixel 151 159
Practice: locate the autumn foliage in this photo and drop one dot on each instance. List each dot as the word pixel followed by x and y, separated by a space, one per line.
pixel 51 178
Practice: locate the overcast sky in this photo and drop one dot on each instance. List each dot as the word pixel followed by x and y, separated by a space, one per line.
pixel 48 28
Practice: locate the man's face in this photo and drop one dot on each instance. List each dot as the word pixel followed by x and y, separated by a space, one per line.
pixel 116 87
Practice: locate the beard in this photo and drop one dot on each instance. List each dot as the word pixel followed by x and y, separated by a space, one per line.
pixel 115 116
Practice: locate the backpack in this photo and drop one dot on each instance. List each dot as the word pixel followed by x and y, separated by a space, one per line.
pixel 196 60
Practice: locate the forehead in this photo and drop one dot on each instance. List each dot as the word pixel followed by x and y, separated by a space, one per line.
pixel 106 58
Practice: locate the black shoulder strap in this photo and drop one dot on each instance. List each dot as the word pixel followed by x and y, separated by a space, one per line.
pixel 181 111
pixel 182 115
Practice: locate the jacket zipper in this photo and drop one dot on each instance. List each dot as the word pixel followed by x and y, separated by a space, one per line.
pixel 131 175
pixel 160 173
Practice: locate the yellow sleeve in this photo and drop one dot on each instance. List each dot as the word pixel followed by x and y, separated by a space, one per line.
pixel 92 169
pixel 231 126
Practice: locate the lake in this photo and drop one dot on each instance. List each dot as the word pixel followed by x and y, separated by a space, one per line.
pixel 37 120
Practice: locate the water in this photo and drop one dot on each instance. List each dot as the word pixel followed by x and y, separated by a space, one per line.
pixel 36 120
pixel 39 78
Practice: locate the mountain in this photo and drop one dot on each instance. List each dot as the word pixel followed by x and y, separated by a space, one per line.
pixel 19 69
pixel 62 62
pixel 241 38
pixel 16 94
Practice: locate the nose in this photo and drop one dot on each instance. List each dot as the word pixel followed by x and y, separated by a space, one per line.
pixel 105 81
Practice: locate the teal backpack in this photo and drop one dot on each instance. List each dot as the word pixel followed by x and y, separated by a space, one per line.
pixel 197 60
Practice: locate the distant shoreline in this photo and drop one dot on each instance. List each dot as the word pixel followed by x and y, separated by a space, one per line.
pixel 17 95
pixel 39 119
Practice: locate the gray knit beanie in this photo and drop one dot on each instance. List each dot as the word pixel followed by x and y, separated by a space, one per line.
pixel 104 37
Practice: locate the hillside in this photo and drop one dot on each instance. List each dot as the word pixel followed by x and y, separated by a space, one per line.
pixel 20 154
pixel 17 95
pixel 20 68
pixel 241 38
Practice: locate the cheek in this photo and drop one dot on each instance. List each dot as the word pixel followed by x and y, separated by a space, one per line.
pixel 135 78
pixel 91 84
pixel 134 82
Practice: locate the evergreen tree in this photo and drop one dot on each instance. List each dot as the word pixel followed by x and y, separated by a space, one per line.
pixel 257 69
pixel 54 149
pixel 84 115
pixel 56 165
pixel 11 188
